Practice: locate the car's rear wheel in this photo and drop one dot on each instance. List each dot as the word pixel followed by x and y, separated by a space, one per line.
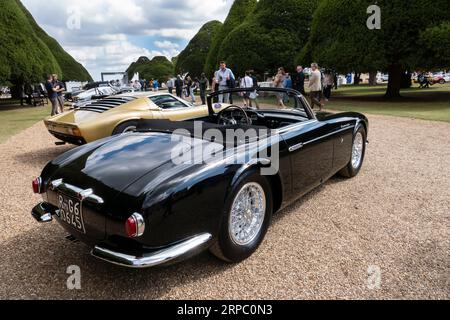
pixel 246 219
pixel 442 81
pixel 129 126
pixel 358 153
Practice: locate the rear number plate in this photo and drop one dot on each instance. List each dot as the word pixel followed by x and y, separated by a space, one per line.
pixel 70 212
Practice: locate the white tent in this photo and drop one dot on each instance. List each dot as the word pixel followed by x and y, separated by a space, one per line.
pixel 135 77
pixel 74 85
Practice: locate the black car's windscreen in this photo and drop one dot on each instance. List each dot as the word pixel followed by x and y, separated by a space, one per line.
pixel 260 99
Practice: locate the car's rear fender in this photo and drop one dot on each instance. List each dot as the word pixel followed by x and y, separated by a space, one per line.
pixel 177 202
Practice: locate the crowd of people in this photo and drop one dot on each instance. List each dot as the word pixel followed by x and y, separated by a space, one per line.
pixel 320 85
pixel 144 85
pixel 188 87
pixel 424 80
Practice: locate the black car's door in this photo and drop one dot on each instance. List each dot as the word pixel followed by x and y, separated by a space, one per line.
pixel 311 147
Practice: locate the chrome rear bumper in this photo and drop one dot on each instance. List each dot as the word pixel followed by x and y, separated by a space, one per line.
pixel 171 255
pixel 43 212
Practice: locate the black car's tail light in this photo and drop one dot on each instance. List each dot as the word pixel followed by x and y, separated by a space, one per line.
pixel 37 185
pixel 135 226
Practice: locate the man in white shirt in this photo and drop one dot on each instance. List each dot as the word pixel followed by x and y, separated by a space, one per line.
pixel 137 86
pixel 315 86
pixel 224 77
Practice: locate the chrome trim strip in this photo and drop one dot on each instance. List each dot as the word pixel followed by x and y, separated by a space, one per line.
pixel 176 253
pixel 83 195
pixel 295 126
pixel 296 147
pixel 301 145
pixel 140 224
pixel 328 135
pixel 345 126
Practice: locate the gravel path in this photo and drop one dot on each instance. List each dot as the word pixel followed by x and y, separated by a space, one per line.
pixel 394 217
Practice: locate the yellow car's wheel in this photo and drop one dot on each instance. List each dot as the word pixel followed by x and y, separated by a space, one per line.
pixel 129 126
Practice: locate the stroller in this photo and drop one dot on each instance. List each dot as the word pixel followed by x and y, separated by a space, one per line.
pixel 424 82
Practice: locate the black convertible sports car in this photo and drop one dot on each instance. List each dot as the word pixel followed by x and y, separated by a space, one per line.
pixel 149 198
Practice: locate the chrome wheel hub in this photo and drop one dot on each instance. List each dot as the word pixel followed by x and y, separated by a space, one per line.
pixel 247 214
pixel 358 148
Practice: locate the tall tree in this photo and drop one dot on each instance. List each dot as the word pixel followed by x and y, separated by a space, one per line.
pixel 192 58
pixel 23 56
pixel 270 37
pixel 435 44
pixel 238 13
pixel 340 37
pixel 27 53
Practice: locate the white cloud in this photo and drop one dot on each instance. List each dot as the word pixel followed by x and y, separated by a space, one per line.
pixel 112 33
pixel 166 44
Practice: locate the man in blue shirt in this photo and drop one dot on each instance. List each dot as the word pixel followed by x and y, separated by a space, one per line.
pixel 288 82
pixel 224 78
pixel 288 85
pixel 155 85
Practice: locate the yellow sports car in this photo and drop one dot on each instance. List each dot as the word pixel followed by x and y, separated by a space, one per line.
pixel 119 114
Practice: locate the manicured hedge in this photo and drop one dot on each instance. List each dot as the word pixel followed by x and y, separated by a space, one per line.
pixel 27 53
pixel 192 58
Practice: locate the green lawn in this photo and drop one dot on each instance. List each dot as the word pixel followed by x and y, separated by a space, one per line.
pixel 14 118
pixel 427 104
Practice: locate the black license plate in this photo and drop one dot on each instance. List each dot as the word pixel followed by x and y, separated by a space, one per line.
pixel 71 212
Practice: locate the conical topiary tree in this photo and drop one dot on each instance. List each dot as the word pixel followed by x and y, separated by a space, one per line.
pixel 192 58
pixel 27 53
pixel 270 37
pixel 237 15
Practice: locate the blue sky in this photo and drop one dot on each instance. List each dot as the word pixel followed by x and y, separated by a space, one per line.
pixel 107 35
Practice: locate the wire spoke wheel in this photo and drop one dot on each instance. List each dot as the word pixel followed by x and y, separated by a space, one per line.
pixel 247 214
pixel 358 149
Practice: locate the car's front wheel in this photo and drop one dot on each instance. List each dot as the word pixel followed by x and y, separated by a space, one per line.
pixel 129 126
pixel 246 219
pixel 358 153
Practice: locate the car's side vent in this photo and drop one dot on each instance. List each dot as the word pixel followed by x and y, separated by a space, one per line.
pixel 106 104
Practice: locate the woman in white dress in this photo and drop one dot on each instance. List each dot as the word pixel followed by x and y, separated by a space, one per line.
pixel 279 83
pixel 246 83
